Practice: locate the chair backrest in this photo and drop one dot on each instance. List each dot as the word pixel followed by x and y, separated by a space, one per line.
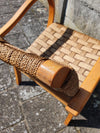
pixel 51 11
pixel 21 12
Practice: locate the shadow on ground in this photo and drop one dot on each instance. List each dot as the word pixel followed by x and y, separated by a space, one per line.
pixel 91 112
pixel 28 83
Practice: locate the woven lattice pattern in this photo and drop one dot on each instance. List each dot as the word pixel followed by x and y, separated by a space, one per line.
pixel 68 47
pixel 28 63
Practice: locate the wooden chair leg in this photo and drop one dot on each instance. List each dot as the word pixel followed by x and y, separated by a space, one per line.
pixel 17 75
pixel 68 119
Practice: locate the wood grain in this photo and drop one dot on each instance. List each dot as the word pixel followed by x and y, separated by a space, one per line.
pixel 21 12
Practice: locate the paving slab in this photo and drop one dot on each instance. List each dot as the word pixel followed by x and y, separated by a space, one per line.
pixel 18 128
pixel 16 29
pixel 32 23
pixel 4 18
pixel 4 2
pixel 6 131
pixel 5 10
pixel 18 40
pixel 26 92
pixel 79 130
pixel 68 130
pixel 44 114
pixel 5 78
pixel 10 111
pixel 1 62
pixel 16 4
pixel 28 88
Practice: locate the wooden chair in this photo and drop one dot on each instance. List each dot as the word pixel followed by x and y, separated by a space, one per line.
pixel 66 46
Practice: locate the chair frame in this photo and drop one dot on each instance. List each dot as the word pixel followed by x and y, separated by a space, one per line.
pixel 77 103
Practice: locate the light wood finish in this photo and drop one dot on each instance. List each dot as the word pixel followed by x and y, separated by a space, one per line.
pixel 52 73
pixel 17 75
pixel 78 102
pixel 73 48
pixel 77 50
pixel 51 12
pixel 68 119
pixel 68 47
pixel 21 12
pixel 60 96
pixel 16 18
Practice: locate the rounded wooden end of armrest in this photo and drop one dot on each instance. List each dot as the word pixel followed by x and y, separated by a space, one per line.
pixel 71 85
pixel 52 73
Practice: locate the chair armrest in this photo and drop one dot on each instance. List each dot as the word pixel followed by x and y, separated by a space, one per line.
pixel 51 73
pixel 21 12
pixel 16 18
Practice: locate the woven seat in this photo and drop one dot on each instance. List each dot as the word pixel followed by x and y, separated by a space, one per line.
pixel 67 47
